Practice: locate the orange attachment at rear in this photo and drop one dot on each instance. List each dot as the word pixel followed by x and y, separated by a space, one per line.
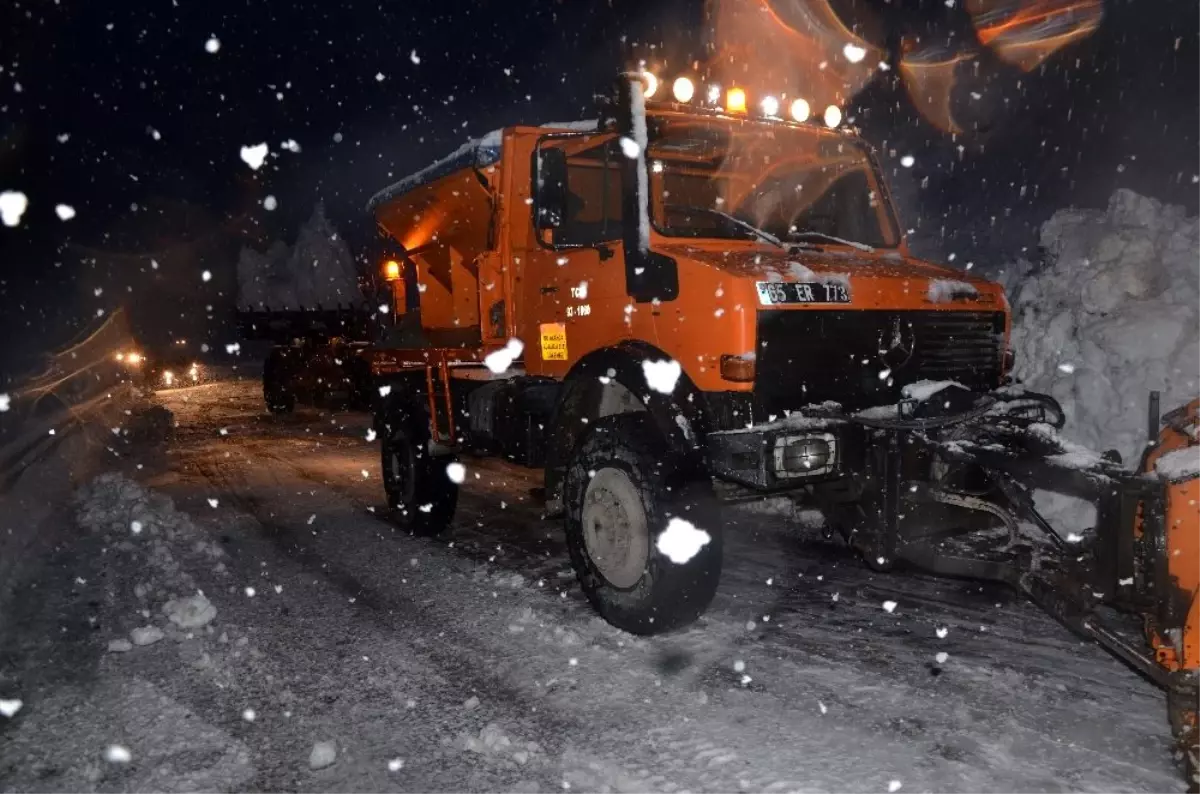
pixel 1175 459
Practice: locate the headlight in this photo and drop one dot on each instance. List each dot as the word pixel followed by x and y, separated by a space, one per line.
pixel 168 377
pixel 194 372
pixel 770 106
pixel 651 84
pixel 800 109
pixel 683 89
pixel 833 116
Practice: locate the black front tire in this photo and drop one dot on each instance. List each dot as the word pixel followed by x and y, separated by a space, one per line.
pixel 417 484
pixel 668 594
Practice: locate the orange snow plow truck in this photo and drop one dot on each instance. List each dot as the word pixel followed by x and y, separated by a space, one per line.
pixel 689 302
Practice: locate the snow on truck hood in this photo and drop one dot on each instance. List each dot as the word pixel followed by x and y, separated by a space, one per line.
pixel 936 283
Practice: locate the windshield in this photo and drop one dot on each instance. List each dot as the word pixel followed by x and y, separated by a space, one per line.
pixel 795 184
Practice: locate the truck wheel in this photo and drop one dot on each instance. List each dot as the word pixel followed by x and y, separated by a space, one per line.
pixel 417 484
pixel 620 493
pixel 277 392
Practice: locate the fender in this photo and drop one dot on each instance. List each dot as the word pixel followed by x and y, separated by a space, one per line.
pixel 680 416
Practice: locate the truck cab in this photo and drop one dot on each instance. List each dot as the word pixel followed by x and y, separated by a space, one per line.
pixel 692 290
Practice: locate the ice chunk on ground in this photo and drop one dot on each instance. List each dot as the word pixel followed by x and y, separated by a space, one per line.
pixel 117 754
pixel 191 612
pixel 119 646
pixel 1118 300
pixel 146 635
pixel 1179 463
pixel 323 754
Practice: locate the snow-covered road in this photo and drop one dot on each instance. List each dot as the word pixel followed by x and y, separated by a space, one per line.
pixel 471 662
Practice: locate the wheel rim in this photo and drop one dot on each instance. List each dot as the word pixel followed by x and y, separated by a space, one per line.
pixel 400 464
pixel 614 528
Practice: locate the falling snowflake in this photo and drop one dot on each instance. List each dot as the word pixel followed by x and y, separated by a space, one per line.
pixel 662 375
pixel 888 606
pixel 854 53
pixel 384 391
pixel 65 212
pixel 907 161
pixel 9 708
pixel 941 657
pixel 395 765
pixel 213 503
pixel 412 56
pixel 248 715
pixel 270 203
pixel 206 275
pixel 630 148
pixel 250 592
pixel 370 434
pixel 1066 367
pixel 136 527
pixel 13 204
pixel 255 155
pixel 739 666
pixel 212 45
pixel 291 146
pixel 456 472
pixel 5 403
pixel 894 786
pixel 366 474
pixel 499 361
pixel 942 631
pixel 379 78
pixel 681 541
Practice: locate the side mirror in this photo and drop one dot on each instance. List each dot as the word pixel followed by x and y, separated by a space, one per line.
pixel 550 188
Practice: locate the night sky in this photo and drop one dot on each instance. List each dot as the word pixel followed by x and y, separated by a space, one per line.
pixel 118 110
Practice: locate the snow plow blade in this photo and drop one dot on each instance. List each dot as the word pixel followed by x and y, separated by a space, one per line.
pixel 949 487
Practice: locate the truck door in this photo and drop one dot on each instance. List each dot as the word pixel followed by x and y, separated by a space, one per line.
pixel 573 266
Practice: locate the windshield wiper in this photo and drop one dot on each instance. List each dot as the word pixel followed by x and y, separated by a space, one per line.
pixel 833 239
pixel 741 224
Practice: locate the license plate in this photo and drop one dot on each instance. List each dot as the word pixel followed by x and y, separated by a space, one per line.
pixel 774 293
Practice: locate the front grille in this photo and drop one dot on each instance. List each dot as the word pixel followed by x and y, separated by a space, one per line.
pixel 864 358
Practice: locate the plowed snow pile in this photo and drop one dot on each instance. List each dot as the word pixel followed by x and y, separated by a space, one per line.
pixel 317 270
pixel 1111 314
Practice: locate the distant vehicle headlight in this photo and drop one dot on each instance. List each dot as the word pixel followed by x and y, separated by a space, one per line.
pixel 168 377
pixel 194 372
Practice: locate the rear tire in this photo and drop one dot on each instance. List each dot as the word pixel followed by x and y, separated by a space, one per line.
pixel 621 493
pixel 417 484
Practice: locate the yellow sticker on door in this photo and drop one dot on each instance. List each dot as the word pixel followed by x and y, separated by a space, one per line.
pixel 554 341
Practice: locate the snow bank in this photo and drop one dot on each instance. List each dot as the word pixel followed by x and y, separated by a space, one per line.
pixel 317 270
pixel 1111 314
